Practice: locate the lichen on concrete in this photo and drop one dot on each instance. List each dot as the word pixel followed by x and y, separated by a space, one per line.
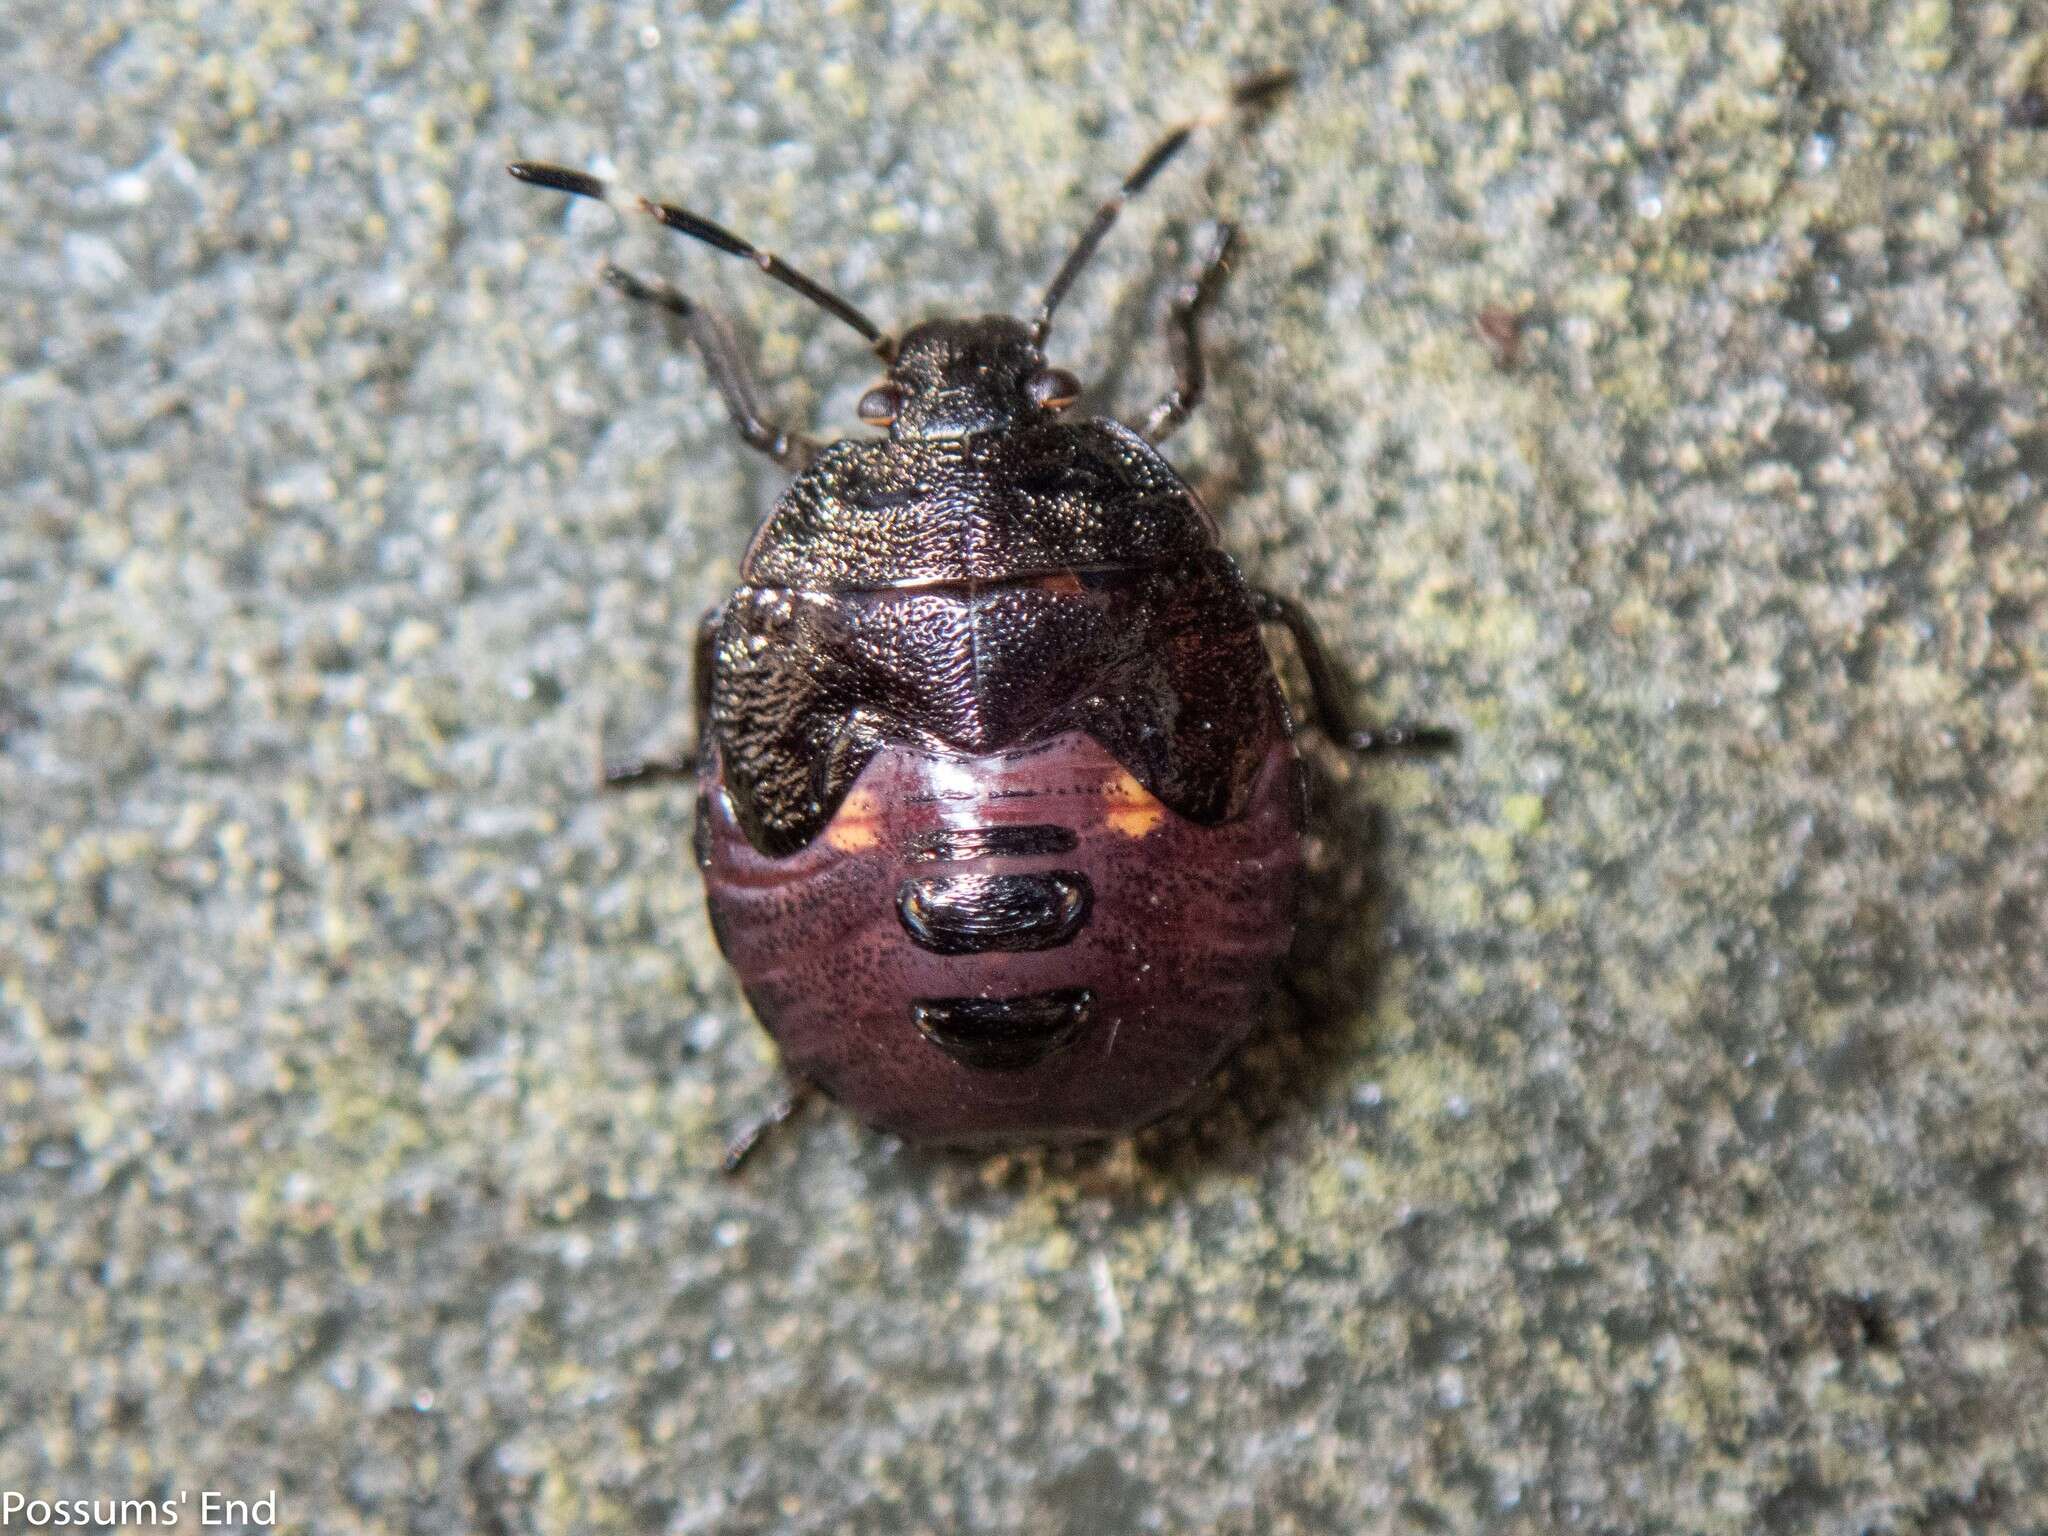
pixel 1652 1135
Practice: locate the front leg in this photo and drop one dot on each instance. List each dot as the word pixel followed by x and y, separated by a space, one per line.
pixel 1184 339
pixel 714 342
pixel 683 765
pixel 1332 715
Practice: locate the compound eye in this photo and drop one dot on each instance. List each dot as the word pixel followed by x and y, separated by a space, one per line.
pixel 1054 388
pixel 878 407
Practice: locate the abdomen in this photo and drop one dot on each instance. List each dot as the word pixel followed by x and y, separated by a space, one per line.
pixel 1022 945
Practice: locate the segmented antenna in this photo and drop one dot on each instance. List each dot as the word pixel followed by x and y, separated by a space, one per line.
pixel 1247 96
pixel 697 227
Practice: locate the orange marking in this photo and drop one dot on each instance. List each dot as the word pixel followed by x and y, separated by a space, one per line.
pixel 1132 808
pixel 853 829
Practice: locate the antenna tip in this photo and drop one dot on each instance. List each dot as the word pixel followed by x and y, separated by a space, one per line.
pixel 1261 90
pixel 557 178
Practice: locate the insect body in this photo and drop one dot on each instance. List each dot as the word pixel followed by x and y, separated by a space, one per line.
pixel 1000 815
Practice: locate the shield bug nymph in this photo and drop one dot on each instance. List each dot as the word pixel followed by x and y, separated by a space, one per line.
pixel 999 811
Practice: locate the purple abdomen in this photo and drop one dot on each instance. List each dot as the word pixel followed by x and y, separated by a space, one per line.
pixel 1023 945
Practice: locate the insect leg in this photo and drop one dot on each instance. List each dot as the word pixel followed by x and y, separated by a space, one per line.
pixel 1332 714
pixel 1184 339
pixel 714 342
pixel 702 654
pixel 684 764
pixel 796 1093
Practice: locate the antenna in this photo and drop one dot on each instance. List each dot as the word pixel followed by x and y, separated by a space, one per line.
pixel 697 227
pixel 1246 96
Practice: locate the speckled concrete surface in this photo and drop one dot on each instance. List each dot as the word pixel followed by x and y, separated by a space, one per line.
pixel 1658 1142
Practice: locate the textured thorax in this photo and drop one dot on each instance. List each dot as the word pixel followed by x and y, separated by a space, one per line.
pixel 988 508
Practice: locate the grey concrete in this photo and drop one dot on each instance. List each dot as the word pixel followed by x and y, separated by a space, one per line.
pixel 1654 1138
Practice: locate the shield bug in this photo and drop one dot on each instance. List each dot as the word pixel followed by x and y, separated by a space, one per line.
pixel 999 811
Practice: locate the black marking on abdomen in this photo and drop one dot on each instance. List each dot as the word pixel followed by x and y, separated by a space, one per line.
pixel 962 843
pixel 980 914
pixel 1003 1034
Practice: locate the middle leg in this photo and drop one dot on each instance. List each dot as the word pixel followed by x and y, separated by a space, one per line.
pixel 684 764
pixel 1332 713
